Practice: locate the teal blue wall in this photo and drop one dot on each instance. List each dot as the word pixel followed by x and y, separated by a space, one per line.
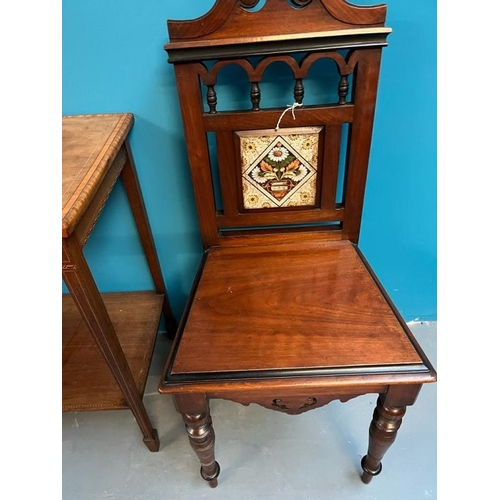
pixel 113 61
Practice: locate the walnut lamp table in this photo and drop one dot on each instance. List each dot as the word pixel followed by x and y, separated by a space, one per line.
pixel 107 339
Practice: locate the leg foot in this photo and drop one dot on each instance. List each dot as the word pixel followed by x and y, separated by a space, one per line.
pixel 383 429
pixel 202 440
pixel 153 443
pixel 367 473
pixel 212 481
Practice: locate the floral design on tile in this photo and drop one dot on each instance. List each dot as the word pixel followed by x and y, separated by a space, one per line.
pixel 280 168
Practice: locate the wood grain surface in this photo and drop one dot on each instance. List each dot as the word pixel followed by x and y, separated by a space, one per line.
pixel 290 306
pixel 89 145
pixel 229 21
pixel 88 383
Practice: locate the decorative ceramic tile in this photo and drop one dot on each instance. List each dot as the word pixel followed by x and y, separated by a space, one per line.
pixel 279 169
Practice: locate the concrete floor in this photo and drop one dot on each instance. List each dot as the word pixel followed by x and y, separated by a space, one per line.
pixel 263 454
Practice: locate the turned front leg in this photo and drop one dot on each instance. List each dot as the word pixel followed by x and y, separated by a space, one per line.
pixel 383 430
pixel 196 415
pixel 202 438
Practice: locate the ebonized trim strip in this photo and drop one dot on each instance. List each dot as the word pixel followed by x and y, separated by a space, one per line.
pixel 368 40
pixel 290 373
pixel 182 323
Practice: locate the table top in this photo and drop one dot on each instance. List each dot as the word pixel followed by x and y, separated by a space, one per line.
pixel 89 145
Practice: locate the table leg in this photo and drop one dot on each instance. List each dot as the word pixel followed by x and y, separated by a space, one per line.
pixel 134 194
pixel 80 283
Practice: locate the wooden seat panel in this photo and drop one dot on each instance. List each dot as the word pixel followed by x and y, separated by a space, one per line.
pixel 310 305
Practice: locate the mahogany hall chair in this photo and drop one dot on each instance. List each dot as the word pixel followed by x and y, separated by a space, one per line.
pixel 285 310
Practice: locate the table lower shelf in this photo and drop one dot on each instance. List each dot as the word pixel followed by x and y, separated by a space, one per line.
pixel 87 382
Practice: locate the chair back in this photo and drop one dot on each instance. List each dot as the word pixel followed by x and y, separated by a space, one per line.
pixel 278 174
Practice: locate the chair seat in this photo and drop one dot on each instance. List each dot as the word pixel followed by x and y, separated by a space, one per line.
pixel 288 309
